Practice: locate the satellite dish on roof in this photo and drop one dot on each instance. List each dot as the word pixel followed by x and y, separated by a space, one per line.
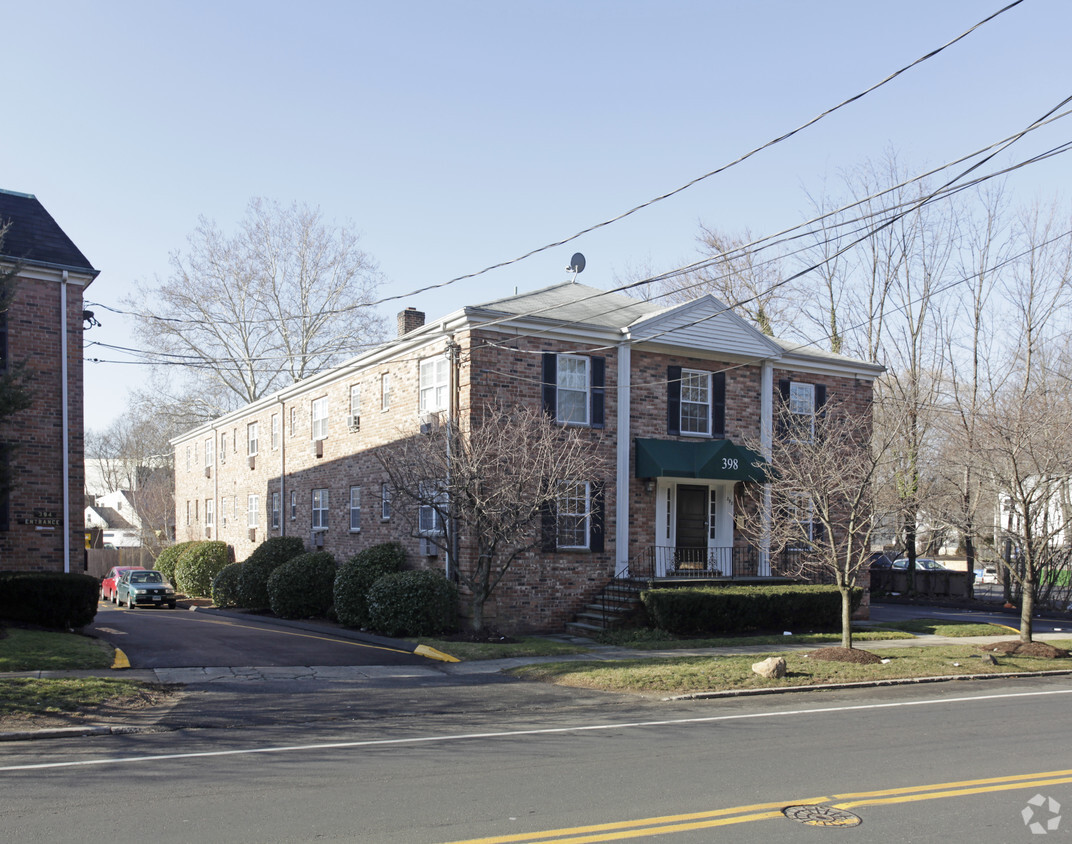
pixel 576 265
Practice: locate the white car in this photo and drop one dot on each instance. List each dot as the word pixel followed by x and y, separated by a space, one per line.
pixel 987 574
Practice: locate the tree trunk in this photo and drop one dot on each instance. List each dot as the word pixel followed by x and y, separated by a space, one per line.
pixel 1027 609
pixel 846 616
pixel 477 604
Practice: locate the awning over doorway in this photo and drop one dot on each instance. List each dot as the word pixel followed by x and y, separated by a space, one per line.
pixel 719 460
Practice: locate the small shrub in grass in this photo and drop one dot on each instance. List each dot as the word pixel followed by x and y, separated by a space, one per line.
pixel 258 567
pixel 225 586
pixel 356 577
pixel 302 587
pixel 199 565
pixel 413 603
pixel 169 557
pixel 49 599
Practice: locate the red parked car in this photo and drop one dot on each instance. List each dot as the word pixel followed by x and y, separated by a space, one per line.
pixel 107 587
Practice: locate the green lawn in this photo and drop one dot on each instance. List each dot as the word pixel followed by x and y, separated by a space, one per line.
pixel 523 646
pixel 688 675
pixel 25 696
pixel 43 650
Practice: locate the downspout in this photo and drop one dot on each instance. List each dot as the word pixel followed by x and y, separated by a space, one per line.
pixel 621 495
pixel 282 470
pixel 766 440
pixel 65 426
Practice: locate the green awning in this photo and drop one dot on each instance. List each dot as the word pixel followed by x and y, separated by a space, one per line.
pixel 720 460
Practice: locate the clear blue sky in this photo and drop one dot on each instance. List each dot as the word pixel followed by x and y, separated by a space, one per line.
pixel 455 135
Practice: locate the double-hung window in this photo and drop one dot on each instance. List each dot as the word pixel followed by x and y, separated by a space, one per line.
pixel 800 404
pixel 385 501
pixel 695 402
pixel 251 440
pixel 320 509
pixel 320 418
pixel 293 505
pixel 572 399
pixel 572 506
pixel 223 511
pixel 573 388
pixel 275 510
pixel 355 509
pixel 275 431
pixel 223 447
pixel 355 407
pixel 210 512
pixel 210 451
pixel 433 500
pixel 434 384
pixel 385 391
pixel 253 508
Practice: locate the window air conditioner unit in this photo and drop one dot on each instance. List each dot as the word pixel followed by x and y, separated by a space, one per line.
pixel 428 548
pixel 208 471
pixel 252 534
pixel 253 461
pixel 429 422
pixel 355 422
pixel 318 539
pixel 317 448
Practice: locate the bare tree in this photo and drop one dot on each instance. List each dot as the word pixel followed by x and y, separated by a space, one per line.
pixel 481 489
pixel 748 281
pixel 821 481
pixel 284 297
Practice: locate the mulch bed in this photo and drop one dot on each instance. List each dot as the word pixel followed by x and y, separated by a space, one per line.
pixel 1014 647
pixel 845 655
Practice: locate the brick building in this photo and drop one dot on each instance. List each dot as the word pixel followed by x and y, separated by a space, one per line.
pixel 677 391
pixel 41 521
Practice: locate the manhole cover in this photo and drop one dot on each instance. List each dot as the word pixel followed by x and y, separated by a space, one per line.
pixel 821 816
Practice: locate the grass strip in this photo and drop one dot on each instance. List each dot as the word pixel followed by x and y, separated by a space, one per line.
pixel 27 696
pixel 45 650
pixel 688 675
pixel 522 646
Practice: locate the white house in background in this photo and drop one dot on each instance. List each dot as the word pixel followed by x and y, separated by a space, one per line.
pixel 117 518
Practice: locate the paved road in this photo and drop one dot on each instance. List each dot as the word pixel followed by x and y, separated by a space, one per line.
pixel 163 638
pixel 514 761
pixel 902 612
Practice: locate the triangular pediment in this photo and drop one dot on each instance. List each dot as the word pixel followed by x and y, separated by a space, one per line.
pixel 705 324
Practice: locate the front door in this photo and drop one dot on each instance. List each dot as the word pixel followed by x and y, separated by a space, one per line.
pixel 691 550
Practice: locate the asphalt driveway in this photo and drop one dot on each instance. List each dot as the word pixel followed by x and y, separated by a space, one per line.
pixel 163 638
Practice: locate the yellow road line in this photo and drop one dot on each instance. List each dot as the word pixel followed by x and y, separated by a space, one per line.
pixel 432 653
pixel 120 660
pixel 669 824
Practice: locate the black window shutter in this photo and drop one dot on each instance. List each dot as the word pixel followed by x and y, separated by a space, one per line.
pixel 599 375
pixel 820 398
pixel 3 342
pixel 548 527
pixel 673 400
pixel 550 384
pixel 596 529
pixel 5 494
pixel 782 411
pixel 718 404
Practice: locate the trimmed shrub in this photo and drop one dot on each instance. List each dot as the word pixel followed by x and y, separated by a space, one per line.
pixel 413 603
pixel 199 565
pixel 258 566
pixel 165 562
pixel 302 587
pixel 225 586
pixel 49 599
pixel 736 609
pixel 356 577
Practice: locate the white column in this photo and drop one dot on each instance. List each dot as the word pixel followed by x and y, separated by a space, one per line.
pixel 621 495
pixel 766 439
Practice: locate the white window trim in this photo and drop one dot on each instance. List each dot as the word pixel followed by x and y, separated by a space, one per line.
pixel 586 516
pixel 210 451
pixel 559 389
pixel 318 411
pixel 210 512
pixel 355 510
pixel 277 511
pixel 385 502
pixel 253 506
pixel 682 402
pixel 321 509
pixel 252 437
pixel 276 424
pixel 796 403
pixel 433 388
pixel 385 392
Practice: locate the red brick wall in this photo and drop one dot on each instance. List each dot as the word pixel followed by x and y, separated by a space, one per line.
pixel 36 434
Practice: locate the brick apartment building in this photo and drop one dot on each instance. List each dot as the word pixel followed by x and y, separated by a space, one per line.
pixel 677 391
pixel 41 521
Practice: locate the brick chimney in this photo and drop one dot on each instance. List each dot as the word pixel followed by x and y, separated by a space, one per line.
pixel 409 320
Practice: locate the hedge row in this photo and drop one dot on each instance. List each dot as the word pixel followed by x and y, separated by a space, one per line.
pixel 370 590
pixel 733 609
pixel 49 599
